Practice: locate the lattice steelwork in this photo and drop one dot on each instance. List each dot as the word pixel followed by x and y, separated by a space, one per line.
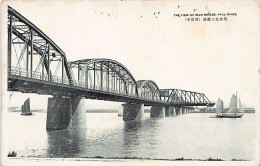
pixel 148 89
pixel 37 65
pixel 105 75
pixel 33 54
pixel 179 97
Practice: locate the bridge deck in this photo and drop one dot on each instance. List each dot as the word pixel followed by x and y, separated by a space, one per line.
pixel 46 71
pixel 18 81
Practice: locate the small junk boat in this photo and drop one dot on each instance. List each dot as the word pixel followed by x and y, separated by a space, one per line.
pixel 219 109
pixel 26 110
pixel 233 112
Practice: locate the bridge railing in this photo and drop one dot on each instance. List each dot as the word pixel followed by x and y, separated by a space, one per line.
pixel 55 79
pixel 97 87
pixel 59 80
pixel 37 75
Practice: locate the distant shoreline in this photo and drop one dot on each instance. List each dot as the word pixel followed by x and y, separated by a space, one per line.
pixel 116 111
pixel 101 158
pixel 104 111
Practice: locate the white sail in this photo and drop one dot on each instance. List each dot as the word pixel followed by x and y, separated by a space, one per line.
pixel 241 110
pixel 233 105
pixel 219 106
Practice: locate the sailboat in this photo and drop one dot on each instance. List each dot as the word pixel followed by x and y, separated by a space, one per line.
pixel 233 112
pixel 219 107
pixel 26 110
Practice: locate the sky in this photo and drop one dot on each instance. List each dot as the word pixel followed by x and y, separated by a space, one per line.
pixel 215 58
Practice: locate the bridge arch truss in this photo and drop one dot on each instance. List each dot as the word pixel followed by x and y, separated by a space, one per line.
pixel 33 54
pixel 37 65
pixel 105 75
pixel 148 89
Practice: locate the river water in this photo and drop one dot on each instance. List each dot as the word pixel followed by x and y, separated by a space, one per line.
pixel 191 136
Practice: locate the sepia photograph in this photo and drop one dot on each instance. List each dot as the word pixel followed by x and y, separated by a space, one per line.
pixel 149 82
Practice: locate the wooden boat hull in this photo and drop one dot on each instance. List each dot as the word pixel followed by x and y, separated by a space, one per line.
pixel 230 116
pixel 26 114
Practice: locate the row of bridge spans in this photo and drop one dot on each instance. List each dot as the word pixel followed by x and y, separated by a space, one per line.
pixel 37 65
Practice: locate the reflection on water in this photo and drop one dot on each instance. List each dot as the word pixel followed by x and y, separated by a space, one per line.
pixel 131 135
pixel 194 136
pixel 140 138
pixel 66 143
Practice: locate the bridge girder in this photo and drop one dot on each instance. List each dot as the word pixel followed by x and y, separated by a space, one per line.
pixel 148 89
pixel 184 97
pixel 42 55
pixel 105 74
pixel 47 77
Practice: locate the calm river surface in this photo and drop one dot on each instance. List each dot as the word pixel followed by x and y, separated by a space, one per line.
pixel 192 136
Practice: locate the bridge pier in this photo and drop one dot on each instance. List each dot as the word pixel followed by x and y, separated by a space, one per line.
pixel 167 112
pixel 183 110
pixel 133 112
pixel 63 113
pixel 170 111
pixel 173 111
pixel 157 111
pixel 178 111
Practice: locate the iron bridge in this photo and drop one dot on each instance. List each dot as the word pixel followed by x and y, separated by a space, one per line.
pixel 37 65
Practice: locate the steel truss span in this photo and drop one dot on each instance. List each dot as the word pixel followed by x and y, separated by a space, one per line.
pixel 105 75
pixel 148 89
pixel 180 97
pixel 37 65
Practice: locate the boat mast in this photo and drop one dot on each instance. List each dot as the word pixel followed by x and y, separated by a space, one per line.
pixel 236 104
